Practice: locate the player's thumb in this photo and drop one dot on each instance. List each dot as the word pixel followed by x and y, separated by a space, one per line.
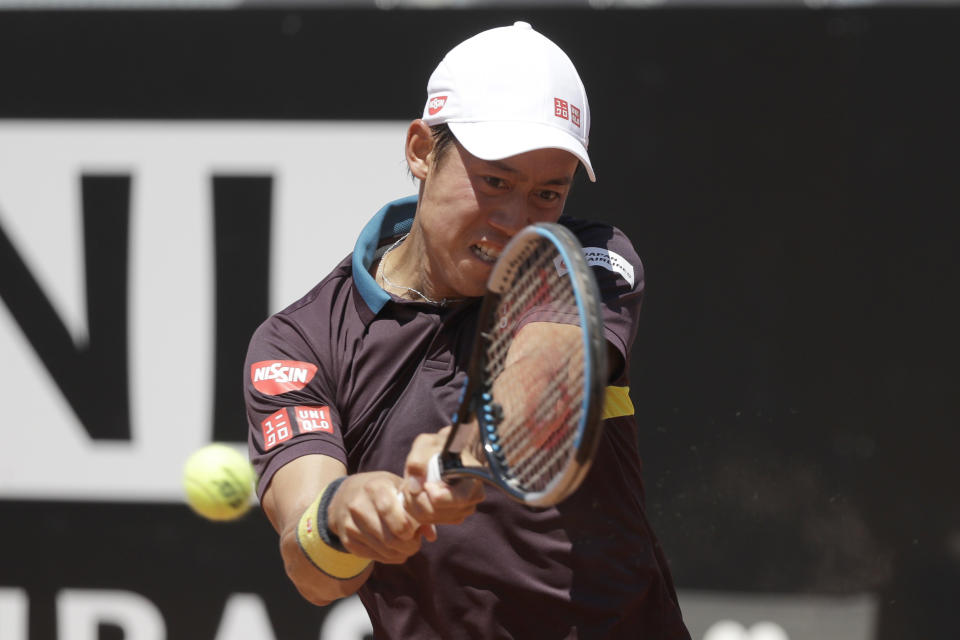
pixel 423 448
pixel 428 531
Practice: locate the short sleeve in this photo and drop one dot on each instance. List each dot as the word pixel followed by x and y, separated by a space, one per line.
pixel 289 395
pixel 620 277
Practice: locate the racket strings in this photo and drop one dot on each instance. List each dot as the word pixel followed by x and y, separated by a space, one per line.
pixel 540 395
pixel 544 443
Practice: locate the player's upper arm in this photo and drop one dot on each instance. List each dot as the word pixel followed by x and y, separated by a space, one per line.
pixel 620 279
pixel 289 392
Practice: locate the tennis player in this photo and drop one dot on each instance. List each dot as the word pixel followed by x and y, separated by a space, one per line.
pixel 350 390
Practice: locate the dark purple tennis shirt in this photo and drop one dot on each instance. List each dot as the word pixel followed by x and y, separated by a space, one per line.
pixel 351 372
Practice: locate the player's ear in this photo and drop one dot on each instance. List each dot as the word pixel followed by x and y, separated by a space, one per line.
pixel 418 148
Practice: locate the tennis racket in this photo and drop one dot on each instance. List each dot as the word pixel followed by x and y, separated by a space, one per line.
pixel 531 405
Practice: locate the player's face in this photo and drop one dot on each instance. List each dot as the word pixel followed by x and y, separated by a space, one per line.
pixel 470 208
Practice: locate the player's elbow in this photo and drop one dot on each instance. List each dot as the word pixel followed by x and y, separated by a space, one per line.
pixel 324 591
pixel 316 587
pixel 313 596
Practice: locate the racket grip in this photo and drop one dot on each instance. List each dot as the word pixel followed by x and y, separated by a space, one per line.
pixel 433 469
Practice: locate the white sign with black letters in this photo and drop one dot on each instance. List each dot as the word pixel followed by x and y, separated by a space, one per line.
pixel 328 179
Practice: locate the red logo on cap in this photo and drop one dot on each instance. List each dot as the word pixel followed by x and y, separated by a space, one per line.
pixel 434 106
pixel 561 109
pixel 575 115
pixel 274 377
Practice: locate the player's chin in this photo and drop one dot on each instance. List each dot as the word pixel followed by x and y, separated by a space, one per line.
pixel 471 285
pixel 474 273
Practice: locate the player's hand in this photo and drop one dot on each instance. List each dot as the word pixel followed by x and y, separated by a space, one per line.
pixel 371 522
pixel 437 502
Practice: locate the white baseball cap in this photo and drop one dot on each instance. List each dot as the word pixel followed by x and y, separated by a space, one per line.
pixel 507 91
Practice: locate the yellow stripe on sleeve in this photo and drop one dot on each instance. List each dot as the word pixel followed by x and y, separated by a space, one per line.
pixel 617 403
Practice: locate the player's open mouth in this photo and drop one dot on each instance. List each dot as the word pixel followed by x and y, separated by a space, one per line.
pixel 487 254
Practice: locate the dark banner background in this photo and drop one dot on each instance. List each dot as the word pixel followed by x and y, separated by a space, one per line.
pixel 788 176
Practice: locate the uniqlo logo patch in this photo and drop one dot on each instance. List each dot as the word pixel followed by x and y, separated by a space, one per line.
pixel 436 104
pixel 274 377
pixel 561 109
pixel 575 115
pixel 276 429
pixel 312 419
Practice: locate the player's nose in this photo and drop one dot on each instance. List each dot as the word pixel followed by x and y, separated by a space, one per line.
pixel 511 215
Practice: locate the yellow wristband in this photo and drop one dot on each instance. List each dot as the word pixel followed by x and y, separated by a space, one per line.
pixel 335 564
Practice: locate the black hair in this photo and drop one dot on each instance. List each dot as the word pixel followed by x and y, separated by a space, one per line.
pixel 443 139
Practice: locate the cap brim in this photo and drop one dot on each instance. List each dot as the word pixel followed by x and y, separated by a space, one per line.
pixel 499 140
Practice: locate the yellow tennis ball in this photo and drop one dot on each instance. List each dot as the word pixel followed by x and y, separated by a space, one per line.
pixel 218 482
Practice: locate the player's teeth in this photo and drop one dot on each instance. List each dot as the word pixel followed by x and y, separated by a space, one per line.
pixel 486 254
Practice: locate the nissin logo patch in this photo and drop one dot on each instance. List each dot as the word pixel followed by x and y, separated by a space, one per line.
pixel 434 106
pixel 274 377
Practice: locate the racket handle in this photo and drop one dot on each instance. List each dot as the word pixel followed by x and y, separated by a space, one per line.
pixel 433 469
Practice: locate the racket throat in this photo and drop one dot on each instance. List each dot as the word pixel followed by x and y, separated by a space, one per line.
pixel 449 461
pixel 459 439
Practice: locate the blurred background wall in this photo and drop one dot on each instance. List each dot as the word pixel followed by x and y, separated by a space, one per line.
pixel 787 171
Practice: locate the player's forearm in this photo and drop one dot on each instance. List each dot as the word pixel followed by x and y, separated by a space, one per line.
pixel 291 497
pixel 333 527
pixel 314 585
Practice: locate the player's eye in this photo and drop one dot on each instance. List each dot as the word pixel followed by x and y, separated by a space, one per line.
pixel 495 182
pixel 549 196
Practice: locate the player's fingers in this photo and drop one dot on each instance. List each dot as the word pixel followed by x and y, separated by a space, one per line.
pixel 468 492
pixel 464 492
pixel 360 548
pixel 453 503
pixel 423 448
pixel 392 529
pixel 429 532
pixel 367 536
pixel 417 501
pixel 371 522
pixel 394 515
pixel 396 550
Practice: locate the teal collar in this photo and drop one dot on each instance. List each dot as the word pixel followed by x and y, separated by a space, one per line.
pixel 394 219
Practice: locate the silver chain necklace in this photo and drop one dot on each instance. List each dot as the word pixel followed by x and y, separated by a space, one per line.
pixel 382 272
